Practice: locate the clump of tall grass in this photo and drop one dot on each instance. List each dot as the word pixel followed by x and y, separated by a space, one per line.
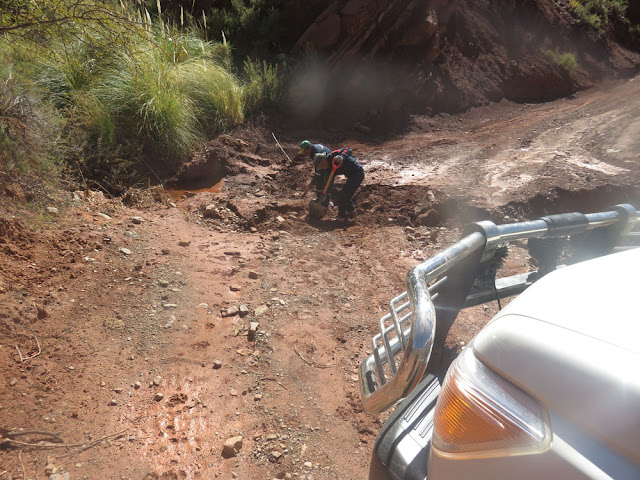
pixel 29 128
pixel 160 97
pixel 264 84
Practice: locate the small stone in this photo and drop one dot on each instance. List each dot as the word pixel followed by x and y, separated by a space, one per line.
pixel 157 380
pixel 231 311
pixel 158 396
pixel 275 456
pixel 280 219
pixel 308 465
pixel 184 243
pixel 163 283
pixel 131 234
pixel 137 385
pixel 217 364
pixel 118 389
pixel 253 328
pixel 113 402
pixel 165 251
pixel 235 288
pixel 257 397
pixel 244 310
pixel 253 275
pixel 170 305
pixel 104 215
pixel 253 229
pixel 53 210
pixel 136 220
pixel 232 446
pixel 262 309
pixel 13 381
pixel 124 250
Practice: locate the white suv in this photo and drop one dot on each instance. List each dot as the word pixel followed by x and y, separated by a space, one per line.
pixel 550 388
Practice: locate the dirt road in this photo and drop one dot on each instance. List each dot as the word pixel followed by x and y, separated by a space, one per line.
pixel 146 334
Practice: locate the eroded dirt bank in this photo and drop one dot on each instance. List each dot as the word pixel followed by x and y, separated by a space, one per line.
pixel 126 329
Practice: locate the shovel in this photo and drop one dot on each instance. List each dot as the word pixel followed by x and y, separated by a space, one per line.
pixel 316 209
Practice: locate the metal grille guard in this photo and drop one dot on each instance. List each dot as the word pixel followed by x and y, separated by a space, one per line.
pixel 409 329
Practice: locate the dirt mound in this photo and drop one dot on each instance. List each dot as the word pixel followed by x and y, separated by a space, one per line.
pixel 15 237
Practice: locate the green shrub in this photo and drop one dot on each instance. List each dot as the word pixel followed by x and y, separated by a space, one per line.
pixel 215 93
pixel 568 61
pixel 264 84
pixel 29 127
pixel 565 60
pixel 597 14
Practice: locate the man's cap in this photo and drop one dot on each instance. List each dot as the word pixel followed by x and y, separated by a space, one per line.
pixel 304 145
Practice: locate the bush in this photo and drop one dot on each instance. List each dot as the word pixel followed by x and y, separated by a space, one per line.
pixel 597 14
pixel 29 128
pixel 565 60
pixel 264 85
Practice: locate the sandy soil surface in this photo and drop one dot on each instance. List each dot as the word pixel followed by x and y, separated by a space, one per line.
pixel 137 336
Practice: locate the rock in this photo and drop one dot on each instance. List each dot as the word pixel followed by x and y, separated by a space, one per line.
pixel 235 288
pixel 165 251
pixel 253 275
pixel 244 310
pixel 131 234
pixel 253 229
pixel 163 283
pixel 158 396
pixel 253 328
pixel 308 465
pixel 53 210
pixel 15 190
pixel 275 456
pixel 125 251
pixel 103 215
pixel 430 218
pixel 170 305
pixel 217 364
pixel 230 312
pixel 42 313
pixel 137 385
pixel 157 380
pixel 118 389
pixel 113 402
pixel 257 397
pixel 136 220
pixel 261 310
pixel 280 219
pixel 184 243
pixel 232 446
pixel 13 381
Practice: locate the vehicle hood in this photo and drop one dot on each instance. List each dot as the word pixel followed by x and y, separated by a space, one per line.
pixel 571 340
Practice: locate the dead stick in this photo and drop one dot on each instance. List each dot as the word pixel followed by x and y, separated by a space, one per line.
pixel 313 364
pixel 24 474
pixel 278 143
pixel 7 434
pixel 66 445
pixel 24 359
pixel 274 380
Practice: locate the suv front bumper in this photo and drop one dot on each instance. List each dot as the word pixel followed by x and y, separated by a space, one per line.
pixel 401 451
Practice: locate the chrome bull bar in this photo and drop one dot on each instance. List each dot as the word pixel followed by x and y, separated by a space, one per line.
pixel 408 331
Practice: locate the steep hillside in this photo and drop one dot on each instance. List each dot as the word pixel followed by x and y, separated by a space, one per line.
pixel 411 56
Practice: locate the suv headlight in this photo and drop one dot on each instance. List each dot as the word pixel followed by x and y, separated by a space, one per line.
pixel 480 414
